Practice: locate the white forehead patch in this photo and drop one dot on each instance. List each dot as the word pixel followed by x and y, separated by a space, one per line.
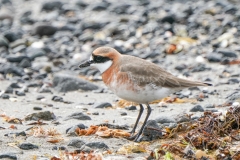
pixel 102 67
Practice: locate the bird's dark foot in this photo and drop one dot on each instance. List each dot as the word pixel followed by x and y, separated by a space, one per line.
pixel 136 139
pixel 132 137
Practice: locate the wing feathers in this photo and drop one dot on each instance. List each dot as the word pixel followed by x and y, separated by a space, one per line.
pixel 143 72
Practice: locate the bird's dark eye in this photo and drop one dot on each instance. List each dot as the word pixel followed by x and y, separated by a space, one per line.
pixel 100 59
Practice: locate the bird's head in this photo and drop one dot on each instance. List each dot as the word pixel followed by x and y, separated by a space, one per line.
pixel 102 58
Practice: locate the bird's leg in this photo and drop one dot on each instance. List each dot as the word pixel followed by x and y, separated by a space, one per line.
pixel 136 123
pixel 149 110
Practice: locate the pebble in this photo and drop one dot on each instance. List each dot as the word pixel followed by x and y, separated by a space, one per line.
pixel 25 63
pixel 20 93
pixel 48 6
pixel 5 96
pixel 95 113
pixel 165 119
pixel 233 96
pixel 131 108
pixel 65 82
pixel 39 97
pixel 57 99
pixel 37 108
pixel 182 118
pixel 44 30
pixel 45 115
pixel 226 53
pixel 79 116
pixel 97 145
pixel 123 113
pixel 72 130
pixel 8 156
pixel 77 143
pixel 103 105
pixel 233 81
pixel 27 146
pixel 59 148
pixel 152 131
pixel 9 90
pixel 197 108
pixel 209 106
pixel 214 57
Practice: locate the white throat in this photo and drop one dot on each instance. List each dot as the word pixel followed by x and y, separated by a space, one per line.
pixel 102 67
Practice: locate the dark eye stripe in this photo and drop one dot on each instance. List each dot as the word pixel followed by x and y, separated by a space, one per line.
pixel 100 59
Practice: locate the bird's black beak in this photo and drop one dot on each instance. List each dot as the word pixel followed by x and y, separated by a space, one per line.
pixel 86 64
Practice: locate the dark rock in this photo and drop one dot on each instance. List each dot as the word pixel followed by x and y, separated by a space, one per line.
pixel 12 36
pixel 182 118
pixel 92 25
pixel 9 68
pixel 131 108
pixel 169 19
pixel 33 53
pixel 20 48
pixel 233 81
pixel 214 57
pixel 65 82
pixel 48 6
pixel 172 125
pixel 9 90
pixel 72 131
pixel 37 108
pixel 120 8
pixel 79 116
pixel 27 146
pixel 87 36
pixel 100 6
pixel 4 42
pixel 46 115
pixel 81 126
pixel 95 113
pixel 86 149
pixel 8 156
pixel 151 131
pixel 23 133
pixel 123 114
pixel 20 93
pixel 97 145
pixel 200 68
pixel 6 2
pixel 234 96
pixel 227 53
pixel 77 143
pixel 39 97
pixel 16 134
pixel 44 30
pixel 5 96
pixel 14 85
pixel 57 99
pixel 59 148
pixel 209 106
pixel 25 63
pixel 197 108
pixel 113 126
pixel 103 105
pixel 81 4
pixel 181 67
pixel 165 119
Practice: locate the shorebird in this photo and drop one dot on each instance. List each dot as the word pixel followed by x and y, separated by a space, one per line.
pixel 136 80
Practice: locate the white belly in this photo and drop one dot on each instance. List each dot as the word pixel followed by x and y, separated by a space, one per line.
pixel 143 95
